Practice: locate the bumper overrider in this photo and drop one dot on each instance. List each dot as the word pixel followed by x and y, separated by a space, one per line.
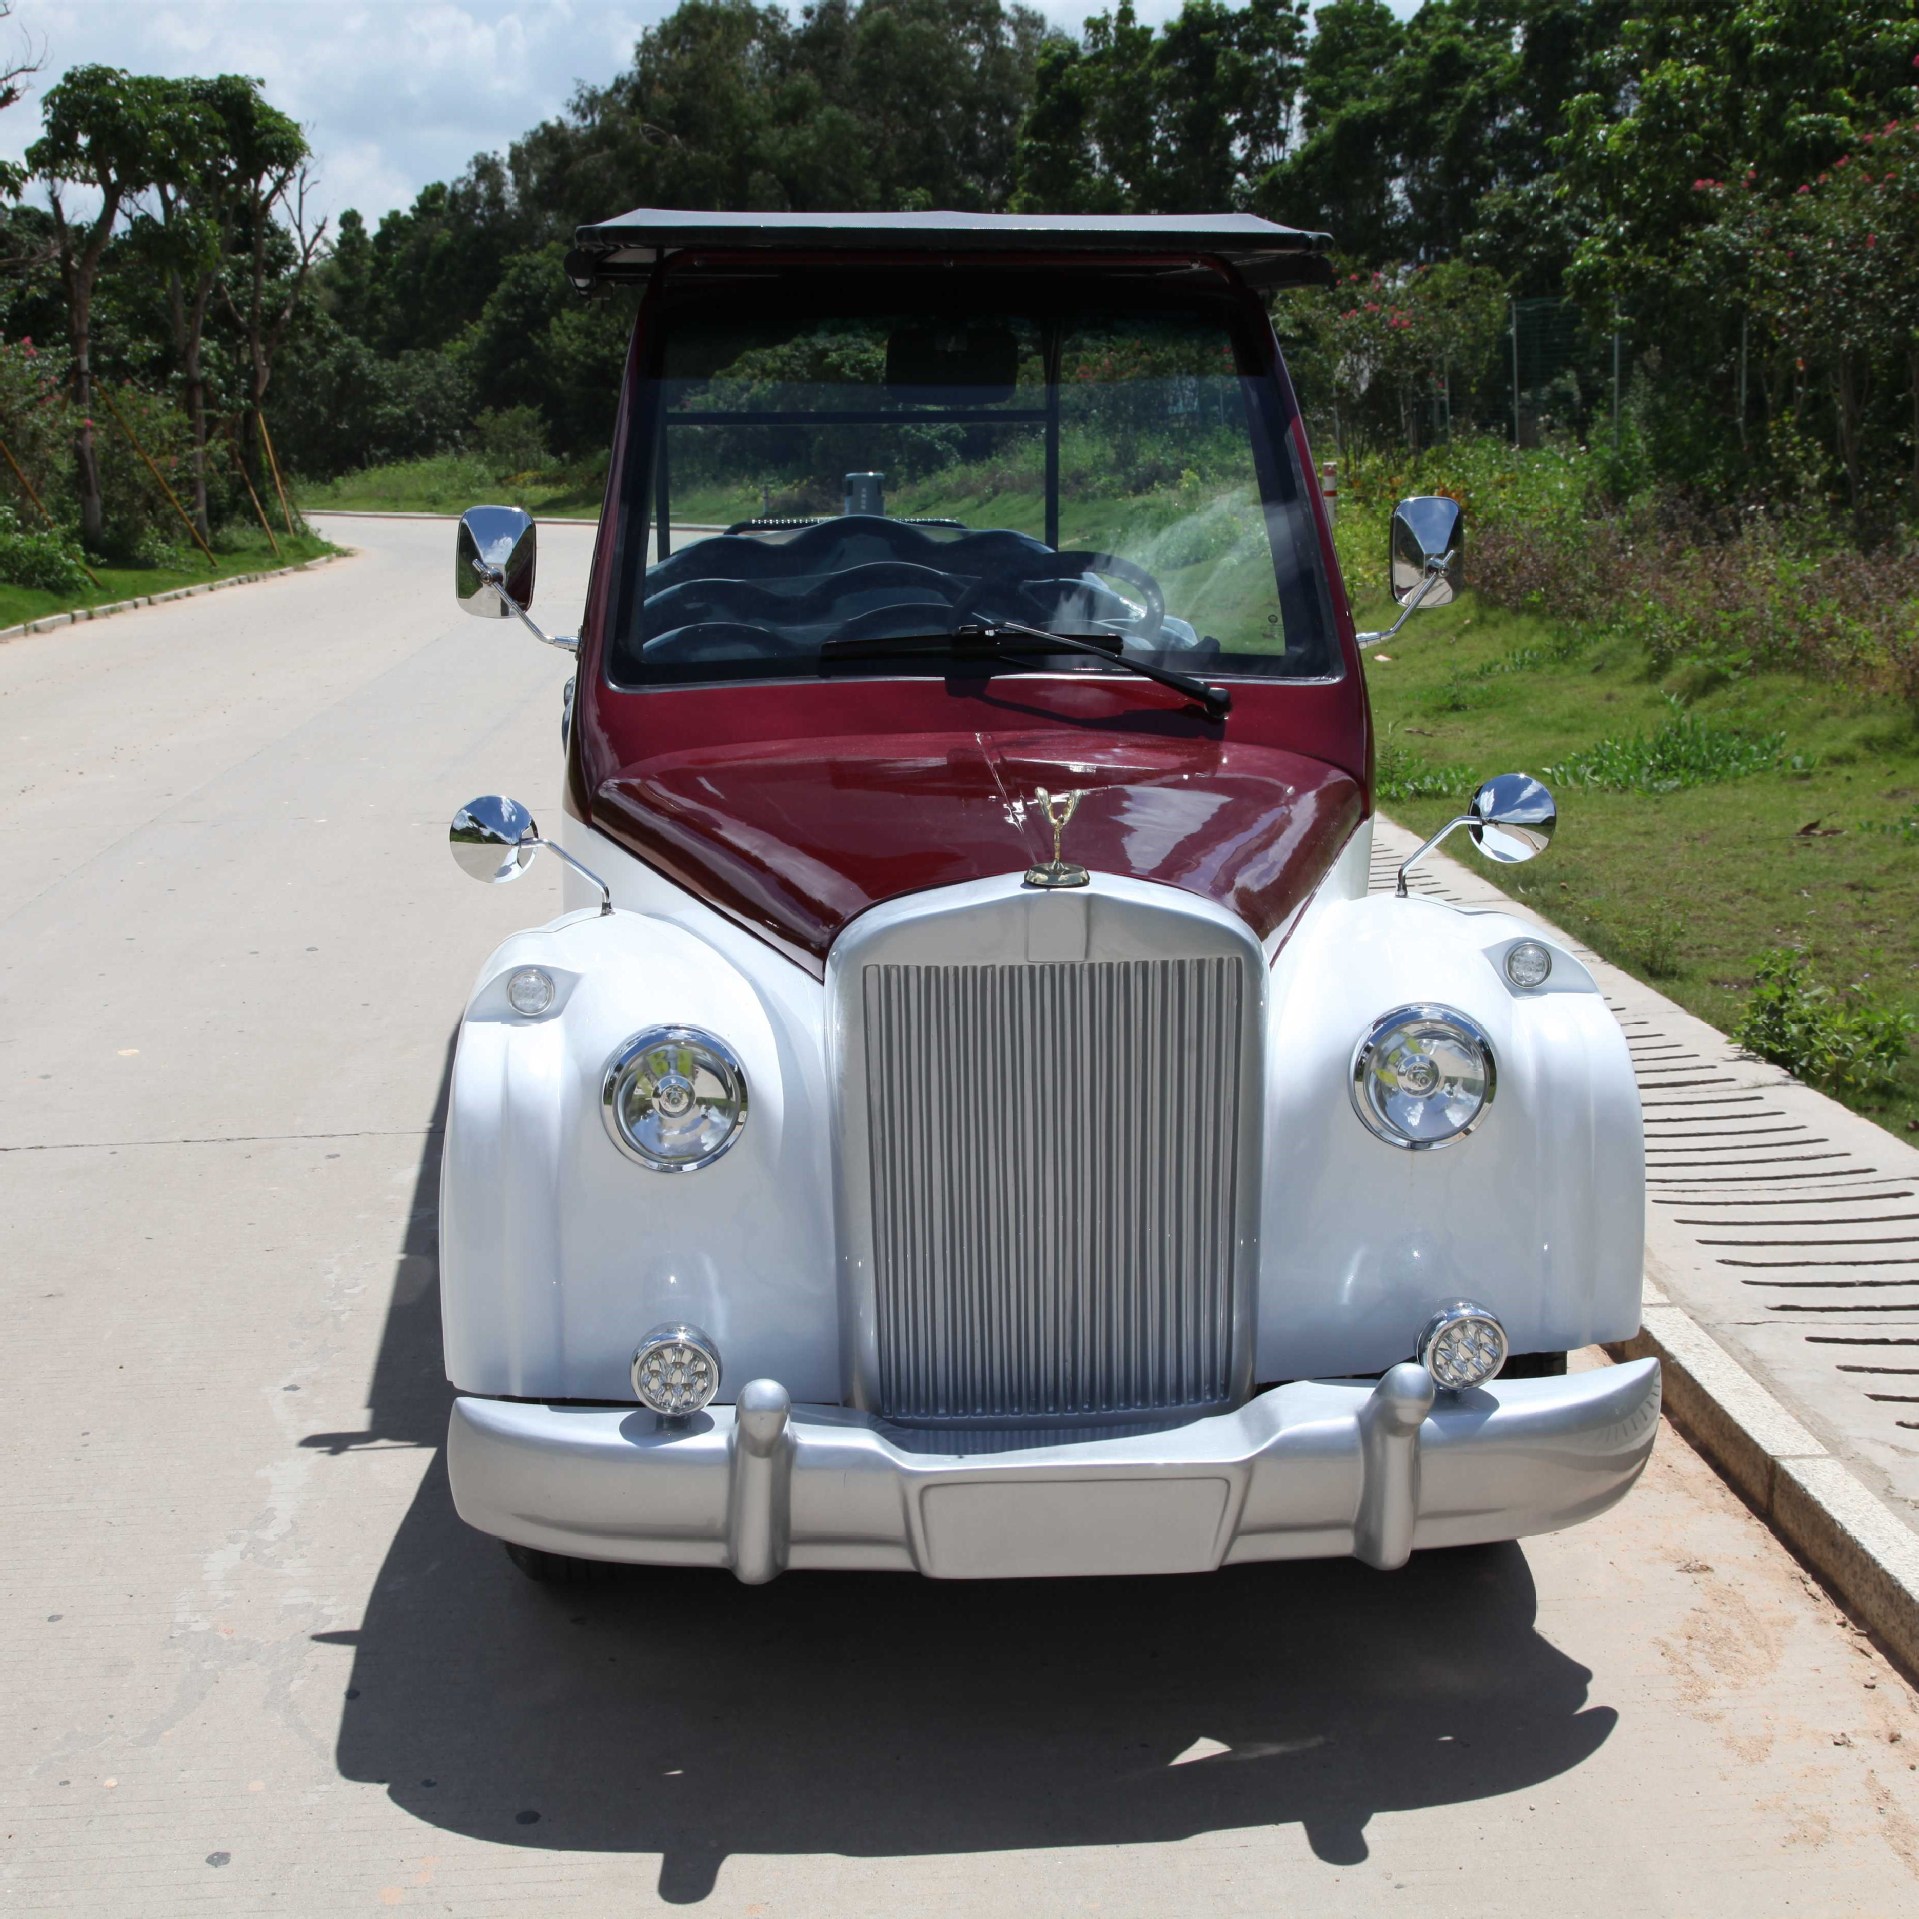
pixel 1315 1469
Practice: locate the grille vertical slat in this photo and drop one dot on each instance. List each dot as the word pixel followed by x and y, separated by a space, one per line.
pixel 1053 1153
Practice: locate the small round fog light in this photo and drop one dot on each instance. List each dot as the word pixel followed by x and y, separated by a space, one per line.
pixel 676 1370
pixel 1529 964
pixel 530 991
pixel 1463 1345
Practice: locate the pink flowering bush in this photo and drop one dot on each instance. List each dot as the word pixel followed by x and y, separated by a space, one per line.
pixel 1829 272
pixel 1384 345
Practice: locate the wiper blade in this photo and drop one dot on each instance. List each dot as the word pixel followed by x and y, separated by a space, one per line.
pixel 1010 639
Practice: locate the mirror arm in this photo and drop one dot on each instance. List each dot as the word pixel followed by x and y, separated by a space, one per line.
pixel 1418 853
pixel 560 853
pixel 493 578
pixel 1435 572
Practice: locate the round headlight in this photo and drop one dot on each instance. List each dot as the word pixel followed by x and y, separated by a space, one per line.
pixel 674 1098
pixel 1423 1076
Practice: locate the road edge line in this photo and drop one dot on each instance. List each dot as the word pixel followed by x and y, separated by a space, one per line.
pixel 1811 1500
pixel 79 615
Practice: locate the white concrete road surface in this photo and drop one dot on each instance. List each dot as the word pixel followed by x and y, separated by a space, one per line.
pixel 250 1662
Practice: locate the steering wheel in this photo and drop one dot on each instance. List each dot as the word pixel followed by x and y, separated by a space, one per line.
pixel 1072 565
pixel 905 616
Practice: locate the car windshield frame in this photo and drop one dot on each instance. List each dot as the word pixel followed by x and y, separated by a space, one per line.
pixel 1304 587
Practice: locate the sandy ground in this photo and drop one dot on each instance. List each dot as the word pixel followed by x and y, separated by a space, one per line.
pixel 252 1662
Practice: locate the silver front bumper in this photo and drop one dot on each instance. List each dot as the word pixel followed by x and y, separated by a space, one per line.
pixel 1311 1470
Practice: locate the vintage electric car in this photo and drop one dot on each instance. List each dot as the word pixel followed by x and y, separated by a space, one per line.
pixel 973 1117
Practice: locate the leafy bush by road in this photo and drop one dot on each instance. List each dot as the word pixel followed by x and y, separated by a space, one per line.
pixel 1848 1043
pixel 41 559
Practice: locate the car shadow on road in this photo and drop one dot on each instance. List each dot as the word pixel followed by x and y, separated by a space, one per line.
pixel 678 1713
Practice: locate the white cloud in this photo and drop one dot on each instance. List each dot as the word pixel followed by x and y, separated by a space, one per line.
pixel 394 94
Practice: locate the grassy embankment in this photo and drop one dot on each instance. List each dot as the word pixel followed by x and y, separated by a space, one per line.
pixel 242 555
pixel 452 482
pixel 1706 816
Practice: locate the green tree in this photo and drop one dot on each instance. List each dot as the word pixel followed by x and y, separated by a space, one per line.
pixel 1767 92
pixel 16 70
pixel 1830 269
pixel 112 132
pixel 201 194
pixel 264 181
pixel 1388 346
pixel 1184 120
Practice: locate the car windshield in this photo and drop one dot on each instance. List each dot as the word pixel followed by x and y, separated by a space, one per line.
pixel 828 465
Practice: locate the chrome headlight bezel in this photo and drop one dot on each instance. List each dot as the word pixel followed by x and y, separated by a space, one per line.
pixel 1457 1026
pixel 635 1058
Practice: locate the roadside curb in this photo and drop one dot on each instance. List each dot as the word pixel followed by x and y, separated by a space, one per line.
pixel 1813 1501
pixel 48 622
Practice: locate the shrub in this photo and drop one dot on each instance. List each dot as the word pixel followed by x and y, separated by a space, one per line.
pixel 152 548
pixel 41 559
pixel 512 439
pixel 1849 1045
pixel 35 420
pixel 339 406
pixel 135 509
pixel 1685 749
pixel 1650 946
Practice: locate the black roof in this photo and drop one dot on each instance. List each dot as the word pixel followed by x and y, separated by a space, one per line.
pixel 1264 255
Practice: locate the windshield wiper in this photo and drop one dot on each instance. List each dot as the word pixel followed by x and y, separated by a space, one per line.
pixel 990 640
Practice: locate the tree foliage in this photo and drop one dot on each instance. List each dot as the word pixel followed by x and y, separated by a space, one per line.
pixel 1708 181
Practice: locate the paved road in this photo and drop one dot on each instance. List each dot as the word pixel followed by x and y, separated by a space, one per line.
pixel 252 1662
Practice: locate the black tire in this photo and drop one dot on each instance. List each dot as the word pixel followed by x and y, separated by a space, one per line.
pixel 1534 1366
pixel 551 1569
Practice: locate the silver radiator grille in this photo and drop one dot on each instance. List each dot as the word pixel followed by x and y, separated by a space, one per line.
pixel 1053 1153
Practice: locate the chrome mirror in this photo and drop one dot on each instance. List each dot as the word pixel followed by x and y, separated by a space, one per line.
pixel 495 838
pixel 1425 559
pixel 1512 817
pixel 1428 549
pixel 496 553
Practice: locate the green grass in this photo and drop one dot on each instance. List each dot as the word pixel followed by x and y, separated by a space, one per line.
pixel 452 482
pixel 1802 833
pixel 240 555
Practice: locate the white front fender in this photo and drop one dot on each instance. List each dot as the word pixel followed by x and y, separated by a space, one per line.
pixel 557 1251
pixel 1537 1214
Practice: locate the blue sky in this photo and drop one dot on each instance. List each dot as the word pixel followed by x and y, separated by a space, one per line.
pixel 392 94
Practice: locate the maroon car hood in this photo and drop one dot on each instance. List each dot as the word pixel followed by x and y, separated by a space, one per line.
pixel 797 837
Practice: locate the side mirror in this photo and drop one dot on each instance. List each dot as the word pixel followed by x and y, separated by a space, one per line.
pixel 1426 558
pixel 1511 819
pixel 496 553
pixel 495 838
pixel 1428 543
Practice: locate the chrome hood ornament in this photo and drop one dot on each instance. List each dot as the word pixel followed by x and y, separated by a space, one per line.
pixel 1056 872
